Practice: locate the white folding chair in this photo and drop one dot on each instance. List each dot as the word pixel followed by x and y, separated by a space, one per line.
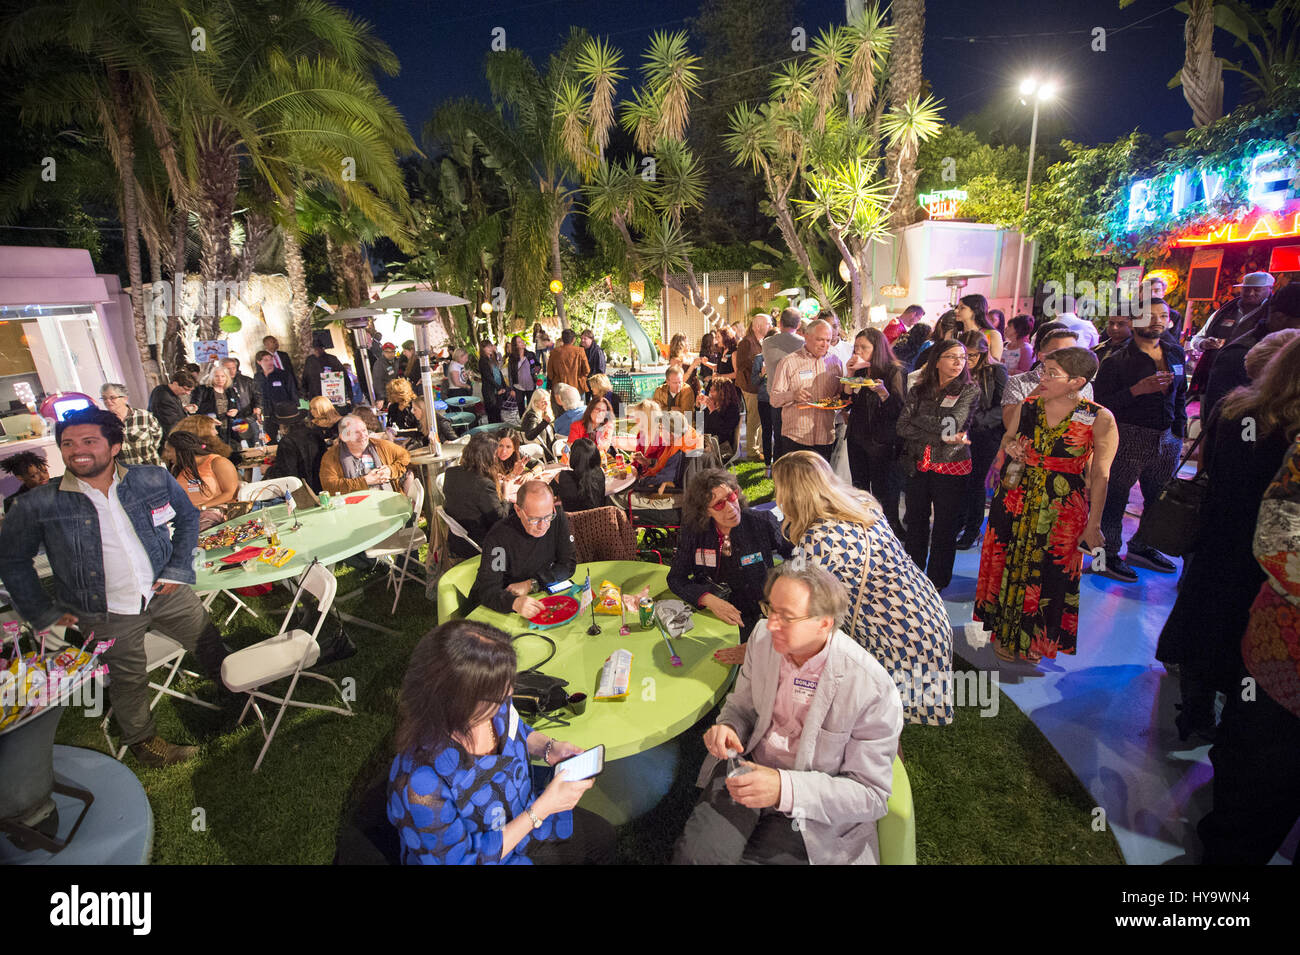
pixel 403 543
pixel 455 527
pixel 559 447
pixel 287 654
pixel 257 490
pixel 160 651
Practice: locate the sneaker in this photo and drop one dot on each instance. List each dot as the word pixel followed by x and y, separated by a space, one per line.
pixel 1151 559
pixel 156 752
pixel 1116 569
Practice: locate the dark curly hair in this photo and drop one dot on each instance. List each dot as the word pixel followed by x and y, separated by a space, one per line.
pixel 109 424
pixel 695 507
pixel 19 464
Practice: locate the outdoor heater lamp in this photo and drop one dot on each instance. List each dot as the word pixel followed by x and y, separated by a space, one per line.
pixel 956 280
pixel 358 319
pixel 421 304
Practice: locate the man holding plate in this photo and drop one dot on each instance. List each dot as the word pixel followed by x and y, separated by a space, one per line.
pixel 525 552
pixel 802 378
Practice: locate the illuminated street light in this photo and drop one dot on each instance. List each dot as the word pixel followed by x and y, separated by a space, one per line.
pixel 1041 92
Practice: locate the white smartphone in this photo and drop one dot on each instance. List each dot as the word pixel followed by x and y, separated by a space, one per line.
pixel 584 765
pixel 559 586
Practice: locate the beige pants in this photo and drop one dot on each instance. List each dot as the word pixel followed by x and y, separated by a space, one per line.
pixel 753 444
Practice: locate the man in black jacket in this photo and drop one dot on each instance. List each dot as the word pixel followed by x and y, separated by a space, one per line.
pixel 171 402
pixel 1144 384
pixel 525 552
pixel 595 355
pixel 277 386
pixel 300 448
pixel 1229 370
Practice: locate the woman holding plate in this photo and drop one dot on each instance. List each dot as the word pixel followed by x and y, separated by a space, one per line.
pixel 873 421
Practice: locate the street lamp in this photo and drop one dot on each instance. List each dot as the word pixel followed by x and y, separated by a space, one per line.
pixel 1039 92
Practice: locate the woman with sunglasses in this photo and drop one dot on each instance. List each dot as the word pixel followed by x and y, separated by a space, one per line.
pixel 460 788
pixel 724 554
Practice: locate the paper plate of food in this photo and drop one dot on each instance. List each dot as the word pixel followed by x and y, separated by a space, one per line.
pixel 827 404
pixel 558 609
pixel 859 382
pixel 232 536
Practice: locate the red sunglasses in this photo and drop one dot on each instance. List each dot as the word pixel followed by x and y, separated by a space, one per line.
pixel 729 499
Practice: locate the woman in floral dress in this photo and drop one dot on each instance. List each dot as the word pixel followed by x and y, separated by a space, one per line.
pixel 1028 589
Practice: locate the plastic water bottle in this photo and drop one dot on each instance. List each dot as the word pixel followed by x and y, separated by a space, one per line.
pixel 734 768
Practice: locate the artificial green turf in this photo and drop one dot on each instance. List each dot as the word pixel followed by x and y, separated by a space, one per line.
pixel 987 790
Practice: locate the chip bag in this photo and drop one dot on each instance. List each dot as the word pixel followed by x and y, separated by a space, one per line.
pixel 609 599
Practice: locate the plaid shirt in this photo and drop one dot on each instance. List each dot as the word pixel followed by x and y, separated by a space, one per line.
pixel 142 437
pixel 821 376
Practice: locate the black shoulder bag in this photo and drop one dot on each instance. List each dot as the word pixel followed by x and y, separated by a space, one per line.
pixel 1172 522
pixel 537 694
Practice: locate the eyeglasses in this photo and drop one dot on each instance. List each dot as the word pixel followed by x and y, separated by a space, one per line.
pixel 729 499
pixel 783 619
pixel 539 521
pixel 108 398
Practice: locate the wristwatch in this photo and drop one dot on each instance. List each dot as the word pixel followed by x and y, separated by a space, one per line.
pixel 537 823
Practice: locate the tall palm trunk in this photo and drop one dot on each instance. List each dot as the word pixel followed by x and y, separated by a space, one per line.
pixel 218 186
pixel 1202 74
pixel 905 81
pixel 356 275
pixel 122 121
pixel 299 307
pixel 557 274
pixel 338 269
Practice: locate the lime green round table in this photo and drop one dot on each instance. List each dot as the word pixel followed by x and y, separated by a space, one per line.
pixel 326 535
pixel 663 700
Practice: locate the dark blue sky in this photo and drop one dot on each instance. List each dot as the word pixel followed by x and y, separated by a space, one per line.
pixel 974 51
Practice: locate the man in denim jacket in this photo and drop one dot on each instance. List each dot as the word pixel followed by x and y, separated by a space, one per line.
pixel 119 540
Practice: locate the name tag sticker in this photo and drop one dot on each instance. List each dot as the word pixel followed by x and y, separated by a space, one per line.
pixel 1083 417
pixel 161 515
pixel 750 559
pixel 806 375
pixel 804 689
pixel 948 401
pixel 706 557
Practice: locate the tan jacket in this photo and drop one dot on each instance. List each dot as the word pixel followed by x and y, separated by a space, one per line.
pixel 568 364
pixel 685 401
pixel 331 467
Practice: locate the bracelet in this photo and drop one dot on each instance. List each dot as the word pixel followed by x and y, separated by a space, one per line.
pixel 546 753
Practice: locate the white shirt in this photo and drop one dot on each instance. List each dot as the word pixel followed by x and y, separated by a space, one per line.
pixel 1085 330
pixel 128 575
pixel 843 351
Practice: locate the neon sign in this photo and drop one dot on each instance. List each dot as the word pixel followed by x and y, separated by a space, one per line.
pixel 1266 225
pixel 1268 179
pixel 943 204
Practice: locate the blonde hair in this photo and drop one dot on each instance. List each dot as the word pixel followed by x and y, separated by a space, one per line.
pixel 644 414
pixel 322 412
pixel 541 403
pixel 599 385
pixel 807 491
pixel 1262 352
pixel 399 392
pixel 1274 397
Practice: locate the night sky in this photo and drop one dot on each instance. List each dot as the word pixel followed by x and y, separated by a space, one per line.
pixel 975 52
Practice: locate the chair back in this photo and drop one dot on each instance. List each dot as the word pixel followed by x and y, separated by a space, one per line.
pixel 602 533
pixel 455 527
pixel 454 587
pixel 416 495
pixel 261 490
pixel 559 447
pixel 320 582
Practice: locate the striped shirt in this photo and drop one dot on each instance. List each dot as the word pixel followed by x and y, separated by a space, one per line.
pixel 821 377
pixel 141 438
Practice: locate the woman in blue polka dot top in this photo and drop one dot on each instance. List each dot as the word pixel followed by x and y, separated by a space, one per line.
pixel 460 791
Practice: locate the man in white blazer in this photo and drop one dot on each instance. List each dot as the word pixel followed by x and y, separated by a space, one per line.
pixel 818 720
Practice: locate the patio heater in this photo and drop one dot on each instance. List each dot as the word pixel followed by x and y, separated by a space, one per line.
pixel 956 280
pixel 421 305
pixel 358 320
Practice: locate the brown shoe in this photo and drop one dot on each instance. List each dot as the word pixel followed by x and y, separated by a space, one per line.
pixel 156 752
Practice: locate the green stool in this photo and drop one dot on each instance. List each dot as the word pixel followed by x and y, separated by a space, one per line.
pixel 453 591
pixel 897 831
pixel 462 420
pixel 494 426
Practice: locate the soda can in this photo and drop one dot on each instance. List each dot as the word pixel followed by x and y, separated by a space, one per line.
pixel 647 610
pixel 325 500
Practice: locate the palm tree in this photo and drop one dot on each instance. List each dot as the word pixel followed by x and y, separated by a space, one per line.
pixel 1202 74
pixel 905 82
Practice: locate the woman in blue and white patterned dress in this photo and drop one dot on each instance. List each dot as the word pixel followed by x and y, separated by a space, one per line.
pixel 896 613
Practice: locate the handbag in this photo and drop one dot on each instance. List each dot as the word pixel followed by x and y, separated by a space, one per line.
pixel 538 694
pixel 510 410
pixel 1172 522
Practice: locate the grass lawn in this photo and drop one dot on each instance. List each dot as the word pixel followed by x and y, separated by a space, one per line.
pixel 987 790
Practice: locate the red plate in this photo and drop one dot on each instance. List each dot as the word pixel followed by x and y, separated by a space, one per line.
pixel 560 609
pixel 239 556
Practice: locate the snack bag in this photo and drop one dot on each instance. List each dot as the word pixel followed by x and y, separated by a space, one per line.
pixel 609 599
pixel 632 602
pixel 615 676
